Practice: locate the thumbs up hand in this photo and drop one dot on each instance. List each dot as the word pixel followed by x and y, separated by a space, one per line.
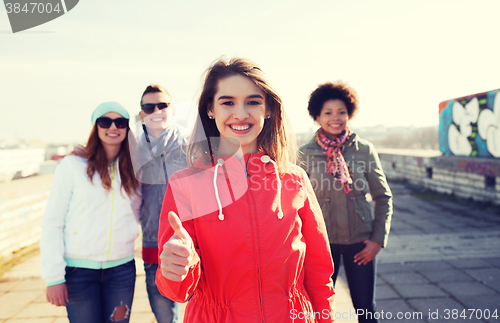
pixel 178 254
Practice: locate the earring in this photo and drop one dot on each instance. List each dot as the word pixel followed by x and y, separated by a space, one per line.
pixel 268 117
pixel 210 117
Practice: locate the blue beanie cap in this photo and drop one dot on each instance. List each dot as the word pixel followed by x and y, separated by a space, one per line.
pixel 106 107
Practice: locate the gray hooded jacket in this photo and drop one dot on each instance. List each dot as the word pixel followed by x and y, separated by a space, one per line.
pixel 159 160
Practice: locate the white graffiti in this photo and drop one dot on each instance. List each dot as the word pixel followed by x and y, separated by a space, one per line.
pixel 463 117
pixel 489 127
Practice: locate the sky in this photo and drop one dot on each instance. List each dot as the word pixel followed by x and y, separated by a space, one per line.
pixel 402 57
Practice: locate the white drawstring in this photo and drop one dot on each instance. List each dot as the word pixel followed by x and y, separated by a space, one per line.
pixel 264 159
pixel 220 162
pixel 267 159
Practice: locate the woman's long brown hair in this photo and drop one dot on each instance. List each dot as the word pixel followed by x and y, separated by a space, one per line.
pixel 275 139
pixel 98 162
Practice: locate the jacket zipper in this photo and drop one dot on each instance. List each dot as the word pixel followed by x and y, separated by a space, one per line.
pixel 164 168
pixel 112 205
pixel 257 246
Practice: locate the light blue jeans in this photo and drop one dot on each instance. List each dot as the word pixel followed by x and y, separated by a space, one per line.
pixel 164 309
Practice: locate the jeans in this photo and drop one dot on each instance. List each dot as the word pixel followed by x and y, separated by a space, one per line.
pixel 100 295
pixel 360 278
pixel 165 310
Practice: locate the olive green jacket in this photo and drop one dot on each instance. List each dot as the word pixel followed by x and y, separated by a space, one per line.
pixel 348 217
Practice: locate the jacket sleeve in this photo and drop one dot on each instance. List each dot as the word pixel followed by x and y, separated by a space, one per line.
pixel 303 158
pixel 318 263
pixel 381 195
pixel 52 237
pixel 136 203
pixel 175 200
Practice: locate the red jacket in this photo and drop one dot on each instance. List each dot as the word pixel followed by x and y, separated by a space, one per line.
pixel 254 267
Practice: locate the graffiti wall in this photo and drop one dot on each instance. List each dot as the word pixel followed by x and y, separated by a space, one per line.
pixel 470 126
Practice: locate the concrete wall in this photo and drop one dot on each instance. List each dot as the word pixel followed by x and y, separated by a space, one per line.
pixel 470 125
pixel 467 177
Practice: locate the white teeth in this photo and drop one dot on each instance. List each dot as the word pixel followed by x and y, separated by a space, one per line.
pixel 245 127
pixel 113 135
pixel 160 119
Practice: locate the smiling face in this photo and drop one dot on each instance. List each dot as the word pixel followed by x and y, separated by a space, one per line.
pixel 333 118
pixel 239 110
pixel 111 136
pixel 159 120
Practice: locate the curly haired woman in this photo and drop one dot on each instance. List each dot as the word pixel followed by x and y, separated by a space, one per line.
pixel 343 169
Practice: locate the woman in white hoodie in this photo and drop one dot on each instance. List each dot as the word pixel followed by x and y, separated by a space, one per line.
pixel 89 225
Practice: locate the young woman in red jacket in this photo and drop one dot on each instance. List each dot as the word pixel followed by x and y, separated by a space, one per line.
pixel 241 232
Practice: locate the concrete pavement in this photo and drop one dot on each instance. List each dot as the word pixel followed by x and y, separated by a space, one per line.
pixel 443 261
pixel 22 297
pixel 442 264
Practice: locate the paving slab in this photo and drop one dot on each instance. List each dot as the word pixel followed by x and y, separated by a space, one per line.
pixel 429 266
pixel 442 246
pixel 458 289
pixel 444 276
pixel 33 320
pixel 420 291
pixel 13 302
pixel 441 304
pixel 392 267
pixel 476 307
pixel 489 276
pixel 343 304
pixel 61 320
pixel 406 232
pixel 483 307
pixel 391 308
pixel 142 318
pixel 407 278
pixel 493 261
pixel 40 310
pixel 31 284
pixel 459 208
pixel 469 263
pixel 385 292
pixel 6 286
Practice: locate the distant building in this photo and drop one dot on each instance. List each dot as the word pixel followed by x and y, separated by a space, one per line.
pixel 20 162
pixel 56 152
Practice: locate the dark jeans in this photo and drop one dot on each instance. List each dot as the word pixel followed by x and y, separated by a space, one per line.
pixel 360 278
pixel 100 295
pixel 165 310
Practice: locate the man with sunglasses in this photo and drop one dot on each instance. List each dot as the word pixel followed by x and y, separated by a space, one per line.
pixel 160 153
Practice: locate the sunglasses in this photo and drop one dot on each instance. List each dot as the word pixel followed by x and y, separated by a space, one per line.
pixel 149 108
pixel 105 122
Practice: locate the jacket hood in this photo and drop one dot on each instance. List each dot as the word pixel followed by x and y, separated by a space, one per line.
pixel 159 145
pixel 149 151
pixel 229 177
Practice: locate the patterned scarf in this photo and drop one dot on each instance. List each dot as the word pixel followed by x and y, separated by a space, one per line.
pixel 336 163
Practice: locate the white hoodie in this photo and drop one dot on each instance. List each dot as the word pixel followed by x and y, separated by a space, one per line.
pixel 83 223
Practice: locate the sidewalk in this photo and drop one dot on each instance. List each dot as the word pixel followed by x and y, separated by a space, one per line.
pixel 442 258
pixel 22 296
pixel 442 261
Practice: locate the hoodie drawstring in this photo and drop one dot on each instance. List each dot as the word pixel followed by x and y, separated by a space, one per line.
pixel 220 162
pixel 265 159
